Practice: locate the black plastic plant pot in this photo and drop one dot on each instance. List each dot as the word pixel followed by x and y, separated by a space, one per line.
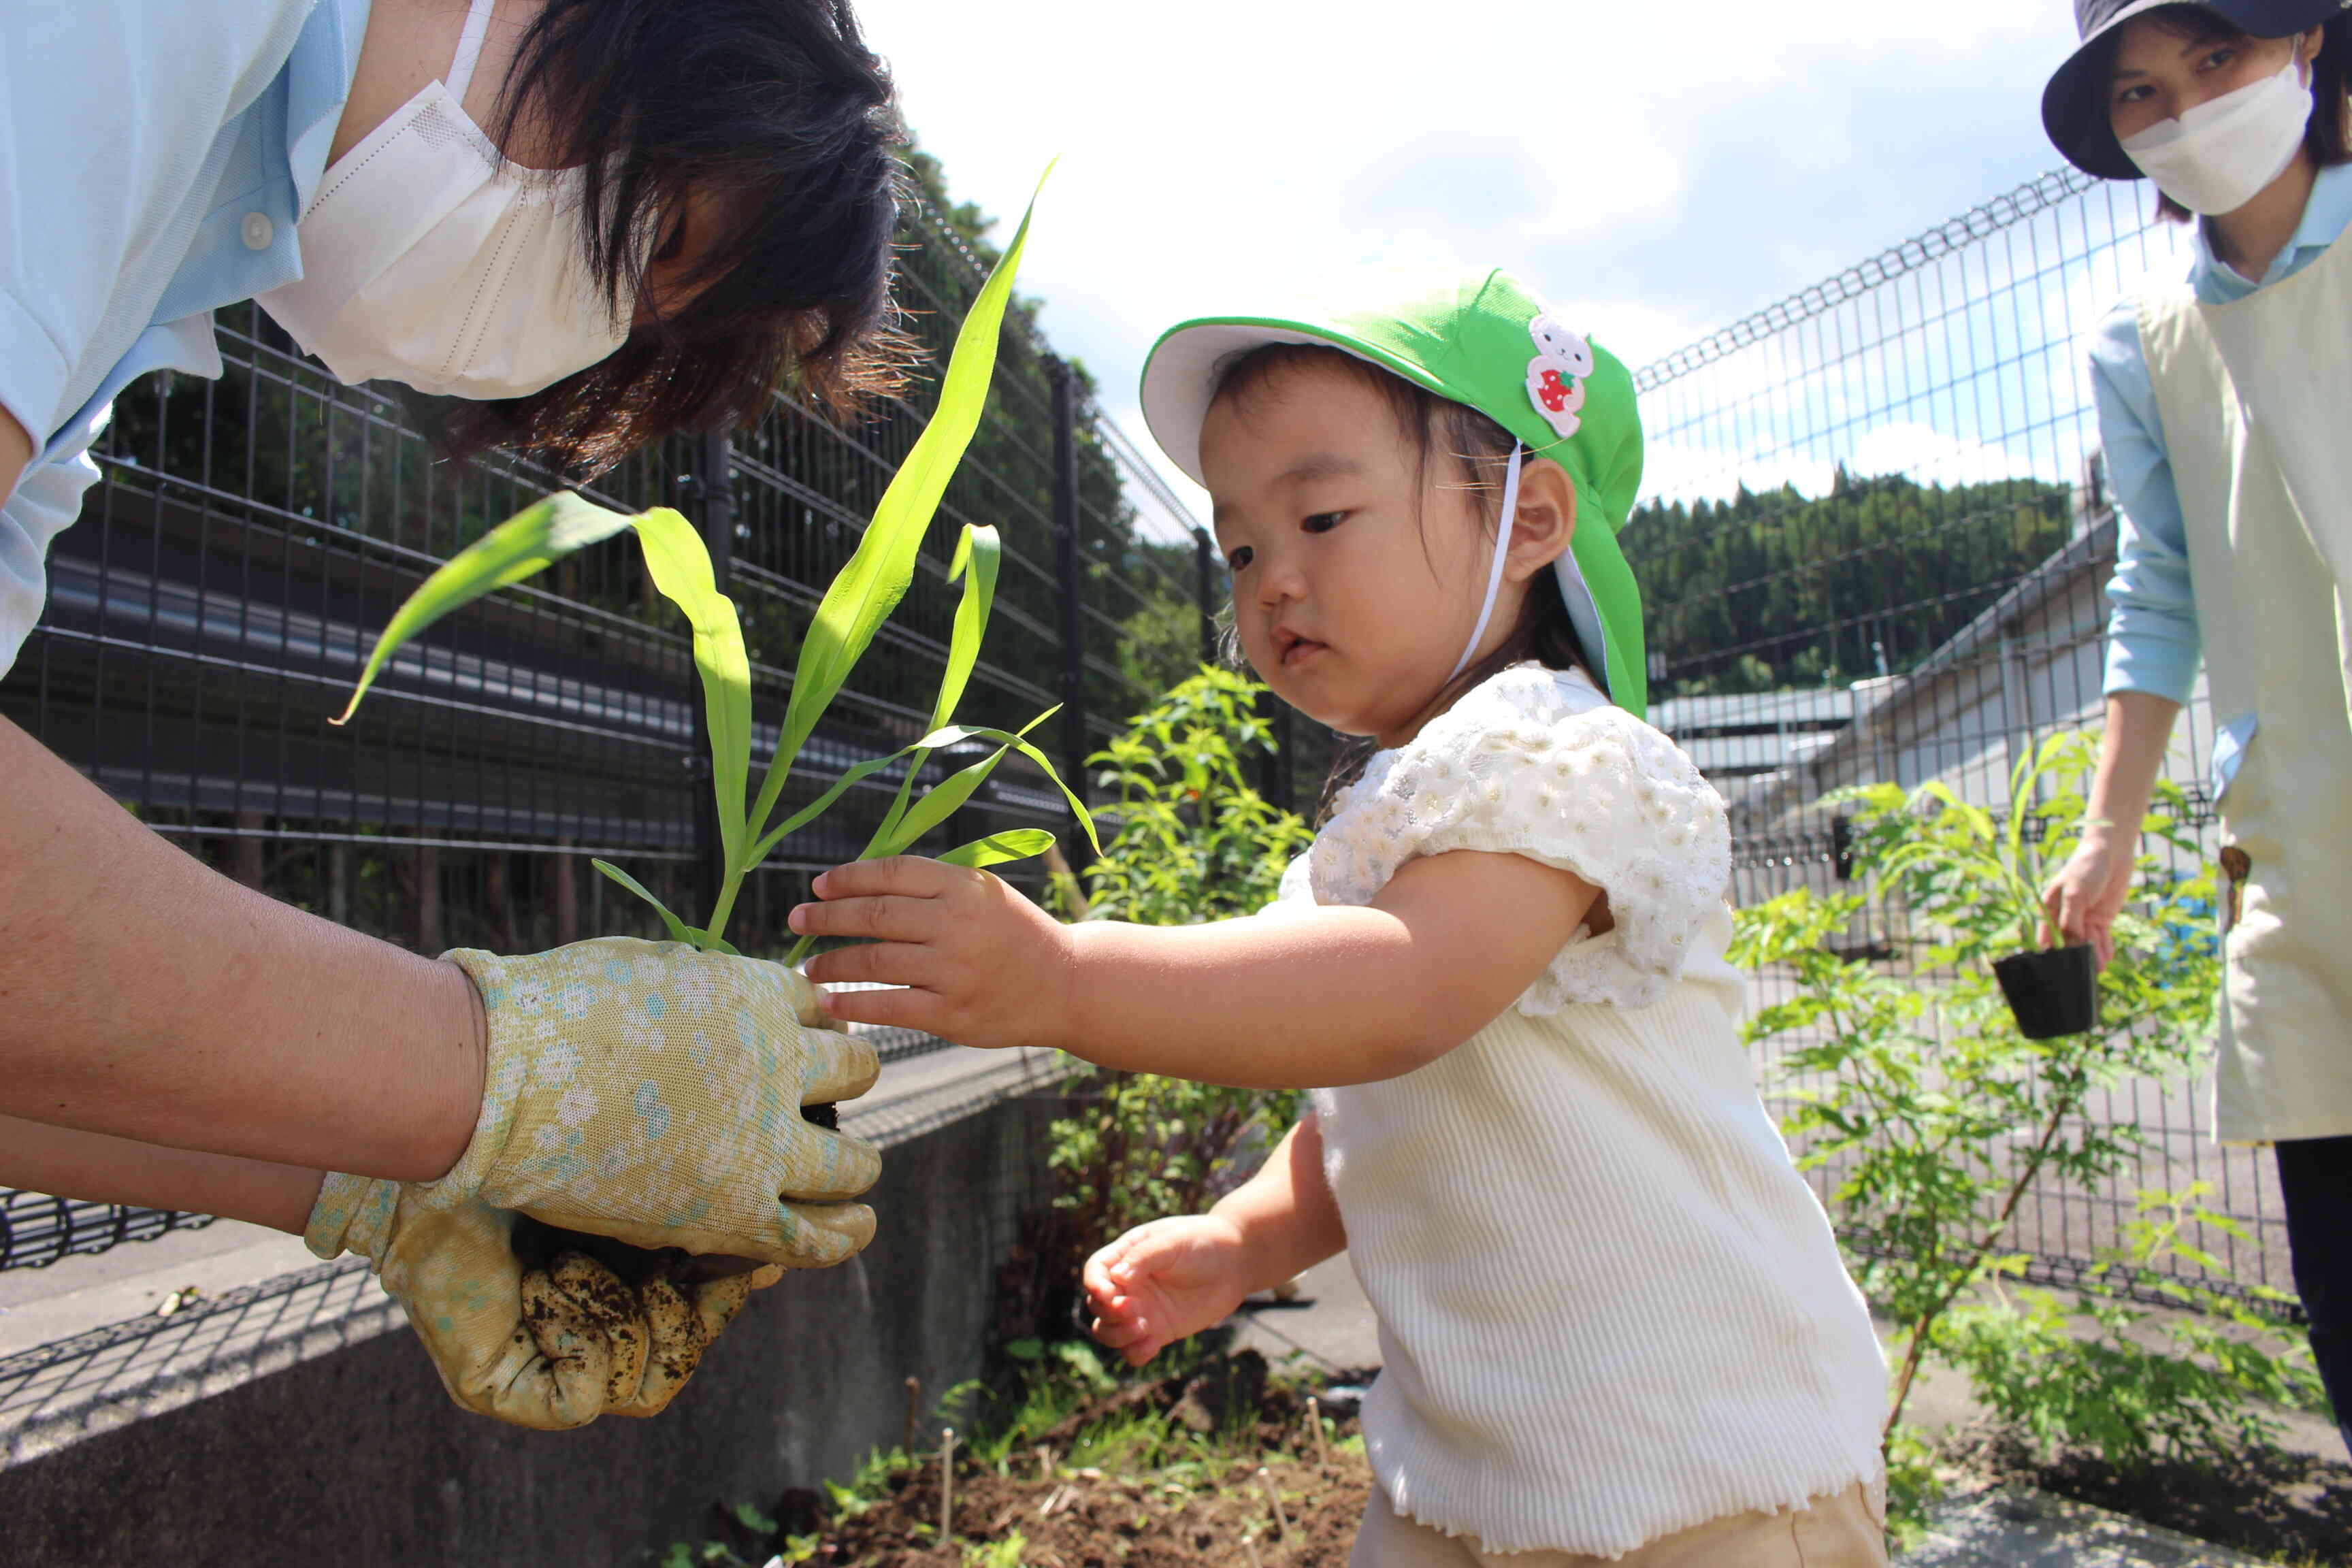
pixel 2051 992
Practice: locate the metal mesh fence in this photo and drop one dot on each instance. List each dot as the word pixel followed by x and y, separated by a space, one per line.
pixel 210 610
pixel 1873 539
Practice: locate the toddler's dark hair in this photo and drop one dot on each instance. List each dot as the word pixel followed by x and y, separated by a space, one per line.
pixel 1433 426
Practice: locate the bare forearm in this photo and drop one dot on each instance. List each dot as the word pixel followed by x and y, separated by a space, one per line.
pixel 2131 756
pixel 1260 1003
pixel 1286 1214
pixel 144 997
pixel 70 1163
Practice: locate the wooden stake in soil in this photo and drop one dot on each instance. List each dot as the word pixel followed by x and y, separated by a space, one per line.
pixel 1249 1550
pixel 1274 1499
pixel 1314 1425
pixel 946 1484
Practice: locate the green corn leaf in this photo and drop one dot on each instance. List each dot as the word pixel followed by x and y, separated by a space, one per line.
pixel 950 736
pixel 1079 807
pixel 924 817
pixel 946 798
pixel 979 551
pixel 870 586
pixel 997 849
pixel 678 930
pixel 709 943
pixel 544 532
pixel 547 530
pixel 680 564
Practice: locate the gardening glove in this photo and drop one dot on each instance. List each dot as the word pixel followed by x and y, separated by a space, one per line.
pixel 551 1341
pixel 652 1093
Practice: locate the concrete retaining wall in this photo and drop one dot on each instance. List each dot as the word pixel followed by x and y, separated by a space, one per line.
pixel 355 1456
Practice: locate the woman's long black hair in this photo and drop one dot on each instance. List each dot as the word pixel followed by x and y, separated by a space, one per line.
pixel 776 111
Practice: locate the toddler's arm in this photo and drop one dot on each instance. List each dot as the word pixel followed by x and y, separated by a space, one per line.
pixel 1171 1279
pixel 1312 998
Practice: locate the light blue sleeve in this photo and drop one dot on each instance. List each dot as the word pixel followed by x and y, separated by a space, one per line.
pixel 120 123
pixel 2153 643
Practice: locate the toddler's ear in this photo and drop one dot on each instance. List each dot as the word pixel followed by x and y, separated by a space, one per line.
pixel 1546 521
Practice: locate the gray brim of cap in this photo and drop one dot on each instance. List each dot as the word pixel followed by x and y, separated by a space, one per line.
pixel 2074 107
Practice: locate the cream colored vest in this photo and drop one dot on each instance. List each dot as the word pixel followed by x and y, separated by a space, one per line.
pixel 2255 399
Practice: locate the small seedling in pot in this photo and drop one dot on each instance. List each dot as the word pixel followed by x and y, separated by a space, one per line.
pixel 854 608
pixel 2051 990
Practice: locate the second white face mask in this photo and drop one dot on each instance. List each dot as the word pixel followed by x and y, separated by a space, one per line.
pixel 2220 156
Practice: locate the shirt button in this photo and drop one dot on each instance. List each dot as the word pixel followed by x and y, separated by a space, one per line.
pixel 259 231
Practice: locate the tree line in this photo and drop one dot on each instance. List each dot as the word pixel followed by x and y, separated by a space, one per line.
pixel 1773 589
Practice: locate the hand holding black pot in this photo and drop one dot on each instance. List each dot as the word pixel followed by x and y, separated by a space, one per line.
pixel 2088 892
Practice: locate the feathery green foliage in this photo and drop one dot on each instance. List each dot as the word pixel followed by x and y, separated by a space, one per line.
pixel 1938 1117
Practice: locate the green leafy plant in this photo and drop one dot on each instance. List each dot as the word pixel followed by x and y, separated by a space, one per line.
pixel 1938 1117
pixel 1194 842
pixel 1932 840
pixel 2109 1372
pixel 859 600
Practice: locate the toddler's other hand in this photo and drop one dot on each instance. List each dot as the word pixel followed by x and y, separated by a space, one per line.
pixel 1163 1281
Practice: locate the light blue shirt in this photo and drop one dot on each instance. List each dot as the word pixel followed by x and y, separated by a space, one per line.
pixel 156 153
pixel 2153 643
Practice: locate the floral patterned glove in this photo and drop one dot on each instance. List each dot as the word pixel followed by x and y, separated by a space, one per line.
pixel 652 1093
pixel 551 1344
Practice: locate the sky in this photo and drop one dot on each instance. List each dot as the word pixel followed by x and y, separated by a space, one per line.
pixel 1655 171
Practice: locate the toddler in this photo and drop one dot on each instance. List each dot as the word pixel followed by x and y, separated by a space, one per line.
pixel 1614 1322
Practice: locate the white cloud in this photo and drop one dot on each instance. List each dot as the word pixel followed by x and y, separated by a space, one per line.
pixel 1657 171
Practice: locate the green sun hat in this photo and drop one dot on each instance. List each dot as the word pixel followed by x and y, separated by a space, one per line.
pixel 1487 339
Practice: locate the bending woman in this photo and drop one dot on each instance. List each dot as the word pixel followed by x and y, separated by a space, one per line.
pixel 588 224
pixel 2225 407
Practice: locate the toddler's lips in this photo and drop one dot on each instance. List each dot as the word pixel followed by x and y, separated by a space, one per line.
pixel 1291 648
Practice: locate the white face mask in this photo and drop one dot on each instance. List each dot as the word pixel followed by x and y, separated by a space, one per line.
pixel 427 259
pixel 2217 157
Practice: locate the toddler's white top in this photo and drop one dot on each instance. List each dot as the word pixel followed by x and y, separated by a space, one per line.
pixel 1610 1307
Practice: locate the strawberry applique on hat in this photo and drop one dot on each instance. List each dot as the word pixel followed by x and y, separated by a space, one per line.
pixel 1556 376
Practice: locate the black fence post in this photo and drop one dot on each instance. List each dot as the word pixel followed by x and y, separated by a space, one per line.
pixel 1204 558
pixel 1069 561
pixel 710 488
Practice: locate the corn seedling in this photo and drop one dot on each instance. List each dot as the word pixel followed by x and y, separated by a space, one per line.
pixel 859 600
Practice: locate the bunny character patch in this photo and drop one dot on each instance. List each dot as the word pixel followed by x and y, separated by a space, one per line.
pixel 1556 376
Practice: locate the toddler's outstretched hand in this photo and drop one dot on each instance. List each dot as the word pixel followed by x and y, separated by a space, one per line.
pixel 978 963
pixel 1163 1281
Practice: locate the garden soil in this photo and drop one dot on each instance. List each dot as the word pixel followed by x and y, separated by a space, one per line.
pixel 1216 1511
pixel 1096 1520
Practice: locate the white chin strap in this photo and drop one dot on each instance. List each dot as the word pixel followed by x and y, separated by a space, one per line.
pixel 1509 516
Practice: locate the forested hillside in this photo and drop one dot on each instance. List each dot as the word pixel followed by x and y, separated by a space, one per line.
pixel 1772 589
